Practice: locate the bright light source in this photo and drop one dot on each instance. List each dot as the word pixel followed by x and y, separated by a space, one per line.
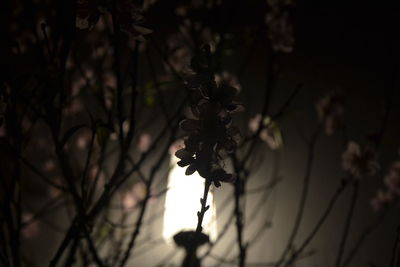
pixel 182 203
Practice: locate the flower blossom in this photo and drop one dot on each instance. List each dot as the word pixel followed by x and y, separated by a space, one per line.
pixel 269 133
pixel 133 196
pixel 144 142
pixel 392 179
pixel 280 30
pixel 381 199
pixel 228 78
pixel 391 190
pixel 30 226
pixel 329 109
pixel 209 128
pixel 359 163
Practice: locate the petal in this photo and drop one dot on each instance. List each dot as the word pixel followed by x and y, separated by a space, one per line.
pixel 191 169
pixel 183 153
pixel 184 162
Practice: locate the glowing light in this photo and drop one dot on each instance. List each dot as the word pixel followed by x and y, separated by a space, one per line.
pixel 182 203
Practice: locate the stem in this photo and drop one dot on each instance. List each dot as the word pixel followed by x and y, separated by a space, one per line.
pixel 318 225
pixel 395 248
pixel 347 225
pixel 304 194
pixel 239 221
pixel 199 228
pixel 368 230
pixel 117 70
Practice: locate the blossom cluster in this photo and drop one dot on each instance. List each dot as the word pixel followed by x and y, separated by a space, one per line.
pixel 359 162
pixel 280 30
pixel 329 109
pixel 391 189
pixel 208 125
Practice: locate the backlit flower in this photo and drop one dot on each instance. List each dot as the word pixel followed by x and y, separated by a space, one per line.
pixel 209 126
pixel 270 133
pixel 144 142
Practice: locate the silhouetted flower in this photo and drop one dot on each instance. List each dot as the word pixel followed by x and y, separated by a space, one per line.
pixel 209 126
pixel 329 109
pixel 359 163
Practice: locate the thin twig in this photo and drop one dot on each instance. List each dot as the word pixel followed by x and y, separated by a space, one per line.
pixel 320 222
pixel 347 225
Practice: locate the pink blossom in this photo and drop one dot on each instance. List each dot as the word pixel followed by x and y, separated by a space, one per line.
pixel 268 136
pixel 109 80
pixel 329 109
pixel 133 196
pixel 95 172
pixel 74 107
pixel 144 142
pixel 270 132
pixel 30 227
pixel 359 163
pixel 175 146
pixel 381 198
pixel 254 123
pixel 54 192
pixel 49 165
pixel 3 131
pixel 280 30
pixel 83 139
pixel 392 179
pixel 228 78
